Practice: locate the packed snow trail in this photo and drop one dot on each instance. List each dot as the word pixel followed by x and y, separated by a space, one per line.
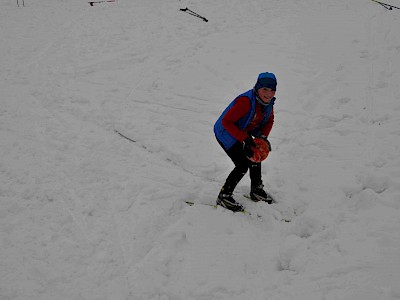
pixel 88 214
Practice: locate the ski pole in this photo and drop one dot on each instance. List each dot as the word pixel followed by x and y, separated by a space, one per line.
pixel 191 12
pixel 385 5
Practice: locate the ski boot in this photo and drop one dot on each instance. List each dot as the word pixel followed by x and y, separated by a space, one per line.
pixel 227 201
pixel 257 193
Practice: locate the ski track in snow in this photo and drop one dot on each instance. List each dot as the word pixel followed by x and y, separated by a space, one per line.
pixel 88 214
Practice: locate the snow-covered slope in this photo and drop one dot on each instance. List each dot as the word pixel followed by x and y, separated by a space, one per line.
pixel 88 214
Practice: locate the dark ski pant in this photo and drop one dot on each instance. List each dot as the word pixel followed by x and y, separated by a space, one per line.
pixel 242 165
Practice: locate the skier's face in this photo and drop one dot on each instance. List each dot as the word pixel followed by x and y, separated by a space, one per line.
pixel 266 94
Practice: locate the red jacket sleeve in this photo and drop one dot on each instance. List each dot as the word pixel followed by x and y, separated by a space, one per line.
pixel 268 125
pixel 237 111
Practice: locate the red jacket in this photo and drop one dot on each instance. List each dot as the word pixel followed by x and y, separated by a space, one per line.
pixel 239 110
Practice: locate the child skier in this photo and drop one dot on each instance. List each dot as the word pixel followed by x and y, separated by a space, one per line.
pixel 249 115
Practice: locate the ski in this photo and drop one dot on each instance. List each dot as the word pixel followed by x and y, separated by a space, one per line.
pixel 283 213
pixel 287 213
pixel 190 203
pixel 244 212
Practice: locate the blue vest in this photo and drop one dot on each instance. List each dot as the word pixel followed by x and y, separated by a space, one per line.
pixel 225 137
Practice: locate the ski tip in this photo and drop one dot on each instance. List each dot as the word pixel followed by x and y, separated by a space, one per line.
pixel 191 203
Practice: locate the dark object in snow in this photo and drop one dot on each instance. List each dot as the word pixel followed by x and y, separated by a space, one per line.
pixel 191 12
pixel 102 1
pixel 387 6
pixel 124 136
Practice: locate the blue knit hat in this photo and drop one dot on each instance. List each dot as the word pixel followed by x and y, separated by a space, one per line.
pixel 267 80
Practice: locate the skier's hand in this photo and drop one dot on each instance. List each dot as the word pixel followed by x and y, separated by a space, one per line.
pixel 266 139
pixel 247 144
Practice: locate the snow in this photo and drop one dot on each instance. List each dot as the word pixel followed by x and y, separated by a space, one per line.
pixel 88 214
